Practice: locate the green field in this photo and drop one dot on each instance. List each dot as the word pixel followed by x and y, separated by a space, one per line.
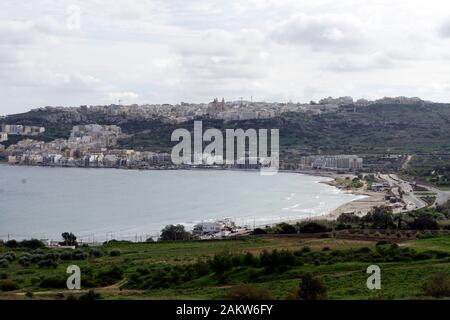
pixel 164 270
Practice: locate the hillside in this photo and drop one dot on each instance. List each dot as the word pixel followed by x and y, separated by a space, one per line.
pixel 373 129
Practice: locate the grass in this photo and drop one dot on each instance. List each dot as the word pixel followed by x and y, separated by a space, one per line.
pixel 441 243
pixel 344 280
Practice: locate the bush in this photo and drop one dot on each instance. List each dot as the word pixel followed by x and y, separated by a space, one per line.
pixel 95 253
pixel 65 255
pixel 79 255
pixel 56 282
pixel 424 222
pixel 109 276
pixel 311 288
pixel 313 227
pixel 247 292
pixel 305 250
pixel 25 260
pixel 32 244
pixel 259 231
pixel 11 244
pixel 90 295
pixel 8 285
pixel 172 232
pixel 285 228
pixel 115 253
pixel 437 286
pixel 47 263
pixel 201 267
pixel 4 263
pixel 221 262
pixel 348 218
pixel 10 256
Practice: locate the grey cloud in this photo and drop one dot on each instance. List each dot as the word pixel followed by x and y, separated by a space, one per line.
pixel 444 30
pixel 362 63
pixel 321 32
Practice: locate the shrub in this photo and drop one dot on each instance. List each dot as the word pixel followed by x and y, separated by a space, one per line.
pixel 250 260
pixel 201 267
pixel 11 244
pixel 8 285
pixel 312 227
pixel 109 276
pixel 65 255
pixel 79 255
pixel 34 258
pixel 247 292
pixel 115 253
pixel 221 262
pixel 172 232
pixel 424 222
pixel 90 295
pixel 4 263
pixel 285 228
pixel 25 260
pixel 56 282
pixel 10 256
pixel 437 286
pixel 311 288
pixel 348 217
pixel 306 249
pixel 47 263
pixel 95 253
pixel 32 244
pixel 259 231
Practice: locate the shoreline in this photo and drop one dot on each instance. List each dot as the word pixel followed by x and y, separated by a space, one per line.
pixel 360 206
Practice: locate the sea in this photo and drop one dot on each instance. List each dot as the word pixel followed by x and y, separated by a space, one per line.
pixel 104 204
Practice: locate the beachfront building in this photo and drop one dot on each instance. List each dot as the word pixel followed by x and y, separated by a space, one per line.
pixel 335 162
pixel 3 136
pixel 207 228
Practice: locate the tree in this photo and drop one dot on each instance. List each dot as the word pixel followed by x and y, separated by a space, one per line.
pixel 311 288
pixel 424 222
pixel 380 218
pixel 348 217
pixel 69 239
pixel 259 231
pixel 172 232
pixel 286 228
pixel 32 244
pixel 312 227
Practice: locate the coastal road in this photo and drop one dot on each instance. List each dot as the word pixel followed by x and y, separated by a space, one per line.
pixel 411 200
pixel 441 196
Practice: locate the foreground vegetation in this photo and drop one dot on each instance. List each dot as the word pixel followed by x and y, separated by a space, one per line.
pixel 265 266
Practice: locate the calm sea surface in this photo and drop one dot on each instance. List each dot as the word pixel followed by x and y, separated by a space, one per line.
pixel 96 204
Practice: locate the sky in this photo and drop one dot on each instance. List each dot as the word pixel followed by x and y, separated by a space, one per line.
pixel 71 53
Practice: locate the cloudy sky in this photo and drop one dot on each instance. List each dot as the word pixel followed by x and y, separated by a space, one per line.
pixel 159 51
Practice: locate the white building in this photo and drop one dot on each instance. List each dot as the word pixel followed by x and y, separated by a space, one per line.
pixel 207 228
pixel 3 136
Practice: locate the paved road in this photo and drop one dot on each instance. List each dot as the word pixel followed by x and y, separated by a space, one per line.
pixel 411 200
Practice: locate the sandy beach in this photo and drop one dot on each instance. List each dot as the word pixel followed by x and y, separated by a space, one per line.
pixel 362 206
